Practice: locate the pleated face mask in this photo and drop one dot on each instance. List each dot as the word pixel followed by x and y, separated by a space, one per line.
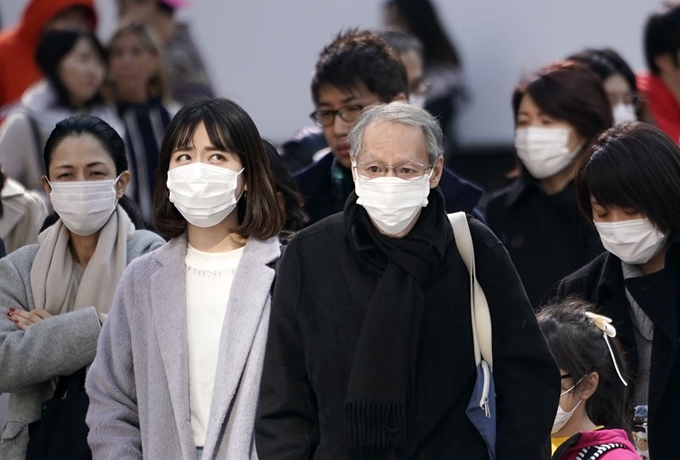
pixel 84 207
pixel 204 194
pixel 632 241
pixel 544 151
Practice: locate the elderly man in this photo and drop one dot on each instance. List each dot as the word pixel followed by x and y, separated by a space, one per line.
pixel 370 351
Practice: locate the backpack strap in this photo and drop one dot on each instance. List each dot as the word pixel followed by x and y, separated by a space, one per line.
pixel 595 452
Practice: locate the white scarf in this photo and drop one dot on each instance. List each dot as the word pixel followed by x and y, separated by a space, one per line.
pixel 52 280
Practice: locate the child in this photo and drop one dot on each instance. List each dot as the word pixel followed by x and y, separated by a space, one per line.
pixel 591 421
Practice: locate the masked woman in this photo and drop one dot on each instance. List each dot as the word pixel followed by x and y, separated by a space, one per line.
pixel 629 188
pixel 55 294
pixel 182 351
pixel 558 112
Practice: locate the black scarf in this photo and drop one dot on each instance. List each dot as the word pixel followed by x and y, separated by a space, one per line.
pixel 381 381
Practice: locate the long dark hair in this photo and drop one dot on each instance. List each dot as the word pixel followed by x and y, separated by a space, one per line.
pixel 422 21
pixel 53 47
pixel 579 348
pixel 230 129
pixel 82 125
pixel 285 184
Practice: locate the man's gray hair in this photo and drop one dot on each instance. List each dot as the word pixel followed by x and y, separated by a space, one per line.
pixel 399 112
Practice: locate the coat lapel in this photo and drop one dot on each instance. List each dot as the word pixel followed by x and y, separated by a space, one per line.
pixel 249 294
pixel 169 312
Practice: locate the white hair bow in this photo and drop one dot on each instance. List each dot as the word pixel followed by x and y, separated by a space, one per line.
pixel 603 323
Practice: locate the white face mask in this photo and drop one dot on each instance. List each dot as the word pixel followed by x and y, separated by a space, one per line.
pixel 392 203
pixel 623 113
pixel 204 194
pixel 632 241
pixel 85 206
pixel 544 151
pixel 562 417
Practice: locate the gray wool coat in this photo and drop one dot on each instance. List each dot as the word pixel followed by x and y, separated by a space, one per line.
pixel 58 346
pixel 139 382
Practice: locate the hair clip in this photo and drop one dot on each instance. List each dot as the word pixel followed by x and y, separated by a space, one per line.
pixel 603 323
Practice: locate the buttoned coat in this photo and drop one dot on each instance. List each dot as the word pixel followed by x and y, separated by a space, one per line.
pixel 139 382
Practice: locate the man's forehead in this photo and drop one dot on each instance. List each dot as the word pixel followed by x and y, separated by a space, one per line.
pixel 401 141
pixel 331 95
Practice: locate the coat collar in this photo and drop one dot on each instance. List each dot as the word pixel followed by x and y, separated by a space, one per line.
pixel 246 303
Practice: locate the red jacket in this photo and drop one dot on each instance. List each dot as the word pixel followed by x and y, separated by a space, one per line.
pixel 18 69
pixel 662 104
pixel 572 446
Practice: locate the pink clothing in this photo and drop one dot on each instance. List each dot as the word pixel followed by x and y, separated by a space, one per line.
pixel 570 449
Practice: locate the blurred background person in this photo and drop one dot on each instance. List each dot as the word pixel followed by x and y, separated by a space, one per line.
pixel 18 69
pixel 618 80
pixel 629 188
pixel 184 67
pixel 661 86
pixel 21 214
pixel 73 63
pixel 558 112
pixel 309 144
pixel 287 193
pixel 137 87
pixel 443 69
pixel 355 71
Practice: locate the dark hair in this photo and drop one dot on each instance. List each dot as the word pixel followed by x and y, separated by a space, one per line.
pixel 83 125
pixel 283 182
pixel 421 20
pixel 230 129
pixel 633 166
pixel 662 35
pixel 53 47
pixel 401 42
pixel 570 92
pixel 579 348
pixel 355 58
pixel 157 87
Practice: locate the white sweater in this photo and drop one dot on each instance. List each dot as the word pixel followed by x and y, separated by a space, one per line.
pixel 209 277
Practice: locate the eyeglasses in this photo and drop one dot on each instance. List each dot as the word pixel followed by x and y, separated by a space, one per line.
pixel 406 170
pixel 326 118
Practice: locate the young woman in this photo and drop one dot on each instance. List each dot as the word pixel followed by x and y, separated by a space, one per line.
pixel 591 415
pixel 629 188
pixel 138 90
pixel 558 112
pixel 182 350
pixel 73 63
pixel 55 294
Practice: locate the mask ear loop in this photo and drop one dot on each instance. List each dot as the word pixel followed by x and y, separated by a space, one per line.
pixel 603 324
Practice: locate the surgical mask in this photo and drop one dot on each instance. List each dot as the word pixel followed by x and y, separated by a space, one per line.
pixel 562 417
pixel 632 241
pixel 392 203
pixel 544 151
pixel 202 193
pixel 623 113
pixel 84 206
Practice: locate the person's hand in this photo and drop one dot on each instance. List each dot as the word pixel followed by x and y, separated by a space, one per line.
pixel 25 319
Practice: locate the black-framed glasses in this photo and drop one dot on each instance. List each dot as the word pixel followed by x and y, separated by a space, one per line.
pixel 406 170
pixel 326 118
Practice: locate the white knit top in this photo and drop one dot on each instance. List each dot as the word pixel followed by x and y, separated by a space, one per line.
pixel 209 277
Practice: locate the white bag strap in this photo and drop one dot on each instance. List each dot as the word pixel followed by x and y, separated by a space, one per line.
pixel 479 308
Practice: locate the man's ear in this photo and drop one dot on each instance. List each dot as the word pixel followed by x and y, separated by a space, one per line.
pixel 437 171
pixel 401 97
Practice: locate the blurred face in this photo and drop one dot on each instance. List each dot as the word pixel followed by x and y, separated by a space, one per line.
pixel 332 98
pixel 82 72
pixel 414 74
pixel 74 18
pixel 136 10
pixel 530 115
pixel 131 65
pixel 618 90
pixel 202 150
pixel 613 213
pixel 83 158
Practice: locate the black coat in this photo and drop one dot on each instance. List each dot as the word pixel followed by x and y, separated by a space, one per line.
pixel 318 307
pixel 546 236
pixel 324 197
pixel 601 283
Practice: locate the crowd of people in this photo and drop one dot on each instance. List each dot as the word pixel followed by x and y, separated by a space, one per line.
pixel 211 295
